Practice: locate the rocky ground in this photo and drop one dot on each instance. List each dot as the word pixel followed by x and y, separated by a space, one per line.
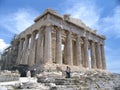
pixel 83 80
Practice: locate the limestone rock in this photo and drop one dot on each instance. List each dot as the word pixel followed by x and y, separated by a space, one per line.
pixel 86 80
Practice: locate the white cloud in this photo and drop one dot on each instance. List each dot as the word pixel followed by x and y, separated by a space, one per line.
pixel 3 45
pixel 90 14
pixel 85 10
pixel 111 23
pixel 18 21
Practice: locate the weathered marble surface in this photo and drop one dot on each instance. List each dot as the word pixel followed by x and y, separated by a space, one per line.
pixel 84 80
pixel 6 76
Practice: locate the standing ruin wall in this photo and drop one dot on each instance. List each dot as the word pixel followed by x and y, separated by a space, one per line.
pixel 60 40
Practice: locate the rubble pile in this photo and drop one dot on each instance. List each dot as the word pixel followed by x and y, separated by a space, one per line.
pixel 82 80
pixel 9 76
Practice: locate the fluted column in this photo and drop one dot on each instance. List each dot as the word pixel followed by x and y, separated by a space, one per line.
pixel 9 58
pixel 39 56
pixel 20 51
pixel 25 51
pixel 48 47
pixel 78 51
pixel 99 63
pixel 65 51
pixel 5 62
pixel 82 52
pixel 54 49
pixel 69 52
pixel 93 57
pixel 74 53
pixel 58 47
pixel 103 57
pixel 86 52
pixel 3 59
pixel 31 60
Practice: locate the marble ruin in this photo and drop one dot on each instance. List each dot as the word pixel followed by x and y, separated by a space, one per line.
pixel 55 40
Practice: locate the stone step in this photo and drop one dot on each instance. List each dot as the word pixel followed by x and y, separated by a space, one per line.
pixel 69 87
pixel 60 80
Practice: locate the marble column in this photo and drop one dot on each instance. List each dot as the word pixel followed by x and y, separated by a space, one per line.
pixel 58 47
pixel 69 52
pixel 65 51
pixel 48 46
pixel 5 60
pixel 20 51
pixel 31 60
pixel 35 49
pixel 98 59
pixel 74 53
pixel 82 52
pixel 25 51
pixel 39 56
pixel 78 51
pixel 93 57
pixel 86 58
pixel 9 58
pixel 103 57
pixel 54 49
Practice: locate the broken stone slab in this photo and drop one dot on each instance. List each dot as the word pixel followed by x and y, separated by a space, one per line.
pixel 9 76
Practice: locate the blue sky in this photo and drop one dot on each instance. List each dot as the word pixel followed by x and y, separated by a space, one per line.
pixel 102 15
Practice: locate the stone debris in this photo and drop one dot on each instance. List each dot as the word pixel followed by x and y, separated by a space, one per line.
pixel 9 76
pixel 86 80
pixel 93 80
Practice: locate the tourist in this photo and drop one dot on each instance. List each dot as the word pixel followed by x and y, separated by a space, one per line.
pixel 33 72
pixel 68 71
pixel 28 75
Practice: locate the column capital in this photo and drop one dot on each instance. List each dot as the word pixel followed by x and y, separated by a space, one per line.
pixel 85 38
pixel 48 28
pixel 69 32
pixel 22 39
pixel 57 27
pixel 98 43
pixel 28 35
pixel 48 24
pixel 102 44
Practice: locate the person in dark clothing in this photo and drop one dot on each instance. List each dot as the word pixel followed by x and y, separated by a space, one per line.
pixel 68 71
pixel 33 72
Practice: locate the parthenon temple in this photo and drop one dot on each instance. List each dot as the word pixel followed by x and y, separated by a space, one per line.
pixel 60 40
